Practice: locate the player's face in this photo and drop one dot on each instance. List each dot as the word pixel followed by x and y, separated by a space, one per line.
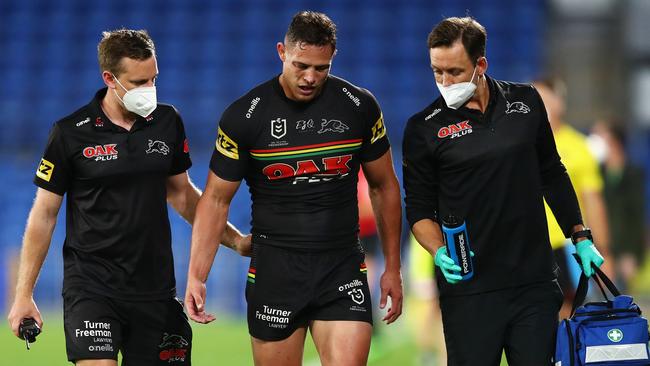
pixel 304 69
pixel 136 73
pixel 452 64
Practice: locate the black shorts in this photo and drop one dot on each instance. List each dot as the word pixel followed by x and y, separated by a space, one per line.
pixel 520 320
pixel 288 288
pixel 145 332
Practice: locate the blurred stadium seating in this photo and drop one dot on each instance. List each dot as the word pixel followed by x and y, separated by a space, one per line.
pixel 209 53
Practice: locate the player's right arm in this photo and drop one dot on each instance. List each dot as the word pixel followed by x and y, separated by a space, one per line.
pixel 209 225
pixel 36 242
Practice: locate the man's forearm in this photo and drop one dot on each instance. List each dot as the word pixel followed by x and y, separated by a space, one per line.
pixel 36 244
pixel 388 216
pixel 209 226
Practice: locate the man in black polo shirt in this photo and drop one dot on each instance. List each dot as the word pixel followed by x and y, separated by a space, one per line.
pixel 299 141
pixel 484 153
pixel 120 159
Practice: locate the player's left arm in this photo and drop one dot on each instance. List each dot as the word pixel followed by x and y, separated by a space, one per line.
pixel 385 197
pixel 183 196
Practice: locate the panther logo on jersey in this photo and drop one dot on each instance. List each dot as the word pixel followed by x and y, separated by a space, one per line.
pixel 518 107
pixel 332 125
pixel 157 146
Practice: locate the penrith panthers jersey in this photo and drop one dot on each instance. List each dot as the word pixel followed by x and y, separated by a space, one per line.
pixel 300 160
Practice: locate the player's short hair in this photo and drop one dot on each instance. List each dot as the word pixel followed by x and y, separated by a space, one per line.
pixel 120 43
pixel 471 33
pixel 312 28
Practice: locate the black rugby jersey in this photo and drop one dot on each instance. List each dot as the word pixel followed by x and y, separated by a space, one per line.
pixel 492 170
pixel 118 239
pixel 300 160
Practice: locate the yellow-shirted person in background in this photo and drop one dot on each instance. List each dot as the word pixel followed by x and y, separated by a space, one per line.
pixel 424 314
pixel 583 170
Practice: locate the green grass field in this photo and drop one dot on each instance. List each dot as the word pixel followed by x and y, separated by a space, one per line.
pixel 224 342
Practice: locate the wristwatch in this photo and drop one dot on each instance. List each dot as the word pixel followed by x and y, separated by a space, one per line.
pixel 584 233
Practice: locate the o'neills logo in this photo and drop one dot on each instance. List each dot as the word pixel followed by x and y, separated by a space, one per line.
pixel 254 102
pixel 101 152
pixel 456 130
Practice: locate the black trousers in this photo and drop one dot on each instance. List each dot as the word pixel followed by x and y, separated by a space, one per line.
pixel 520 320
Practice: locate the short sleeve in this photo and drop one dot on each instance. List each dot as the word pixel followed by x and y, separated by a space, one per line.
pixel 375 143
pixel 182 161
pixel 53 171
pixel 230 156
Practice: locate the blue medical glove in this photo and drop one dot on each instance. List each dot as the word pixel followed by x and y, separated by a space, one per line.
pixel 449 268
pixel 588 254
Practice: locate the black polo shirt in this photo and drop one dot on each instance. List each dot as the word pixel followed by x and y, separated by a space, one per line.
pixel 493 170
pixel 118 239
pixel 301 160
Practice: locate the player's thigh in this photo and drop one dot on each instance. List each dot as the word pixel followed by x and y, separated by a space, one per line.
pixel 342 342
pixel 288 351
pixel 96 363
pixel 158 334
pixel 93 327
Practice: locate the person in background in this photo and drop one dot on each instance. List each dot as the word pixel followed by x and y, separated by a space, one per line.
pixel 624 197
pixel 587 182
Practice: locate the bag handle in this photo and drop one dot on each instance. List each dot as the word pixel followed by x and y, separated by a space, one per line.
pixel 583 285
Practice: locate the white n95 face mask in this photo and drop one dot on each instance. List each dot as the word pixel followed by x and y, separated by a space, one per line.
pixel 141 100
pixel 455 95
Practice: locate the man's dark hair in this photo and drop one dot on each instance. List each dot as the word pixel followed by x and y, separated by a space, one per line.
pixel 117 44
pixel 469 31
pixel 312 28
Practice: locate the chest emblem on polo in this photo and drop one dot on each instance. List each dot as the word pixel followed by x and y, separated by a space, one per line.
pixel 157 146
pixel 455 130
pixel 278 127
pixel 332 125
pixel 100 152
pixel 517 107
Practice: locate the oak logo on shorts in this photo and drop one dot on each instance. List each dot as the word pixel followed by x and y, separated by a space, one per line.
pixel 378 129
pixel 45 169
pixel 227 146
pixel 174 348
pixel 455 130
pixel 278 127
pixel 101 152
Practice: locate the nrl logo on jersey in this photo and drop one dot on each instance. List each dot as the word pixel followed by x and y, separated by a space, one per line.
pixel 455 130
pixel 278 127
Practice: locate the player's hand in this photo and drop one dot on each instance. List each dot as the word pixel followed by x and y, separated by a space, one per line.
pixel 244 245
pixel 195 302
pixel 23 308
pixel 589 254
pixel 391 286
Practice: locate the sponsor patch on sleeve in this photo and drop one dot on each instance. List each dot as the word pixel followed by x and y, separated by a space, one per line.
pixel 378 130
pixel 227 146
pixel 45 169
